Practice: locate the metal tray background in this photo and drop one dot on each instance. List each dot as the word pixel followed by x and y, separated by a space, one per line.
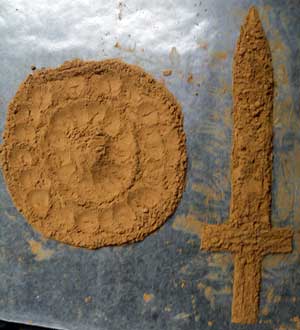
pixel 190 289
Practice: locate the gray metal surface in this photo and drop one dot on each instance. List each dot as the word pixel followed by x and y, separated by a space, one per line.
pixel 164 282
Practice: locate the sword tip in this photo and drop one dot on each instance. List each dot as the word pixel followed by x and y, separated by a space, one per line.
pixel 253 14
pixel 252 34
pixel 252 19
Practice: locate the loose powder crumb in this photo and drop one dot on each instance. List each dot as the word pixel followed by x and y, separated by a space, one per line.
pixel 117 45
pixel 190 78
pixel 167 72
pixel 94 153
pixel 148 297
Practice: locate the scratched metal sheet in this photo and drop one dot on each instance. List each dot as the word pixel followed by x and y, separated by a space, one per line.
pixel 164 282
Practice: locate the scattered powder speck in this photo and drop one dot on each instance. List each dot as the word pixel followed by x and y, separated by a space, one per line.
pixel 39 251
pixel 148 297
pixel 167 72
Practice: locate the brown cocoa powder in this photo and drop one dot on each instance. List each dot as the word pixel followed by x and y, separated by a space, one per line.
pixel 167 72
pixel 248 234
pixel 94 153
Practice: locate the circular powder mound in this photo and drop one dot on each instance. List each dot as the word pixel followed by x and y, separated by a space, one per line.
pixel 94 153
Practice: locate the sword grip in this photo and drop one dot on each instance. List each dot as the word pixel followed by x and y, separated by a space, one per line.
pixel 247 278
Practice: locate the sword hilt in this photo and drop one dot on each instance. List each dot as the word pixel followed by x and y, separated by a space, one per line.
pixel 248 245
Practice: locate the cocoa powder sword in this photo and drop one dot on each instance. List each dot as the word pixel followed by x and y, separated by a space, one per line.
pixel 248 234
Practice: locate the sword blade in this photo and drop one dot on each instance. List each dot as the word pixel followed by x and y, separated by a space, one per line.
pixel 251 177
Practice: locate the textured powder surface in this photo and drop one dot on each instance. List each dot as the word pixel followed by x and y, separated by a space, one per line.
pixel 248 233
pixel 94 153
